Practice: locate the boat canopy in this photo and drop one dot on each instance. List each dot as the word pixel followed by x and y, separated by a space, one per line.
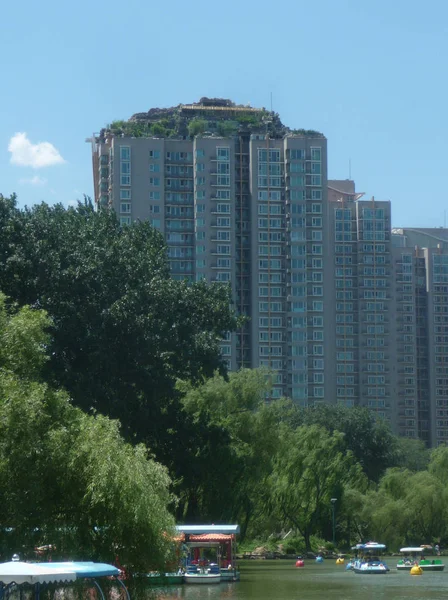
pixel 199 529
pixel 416 549
pixel 86 569
pixel 369 546
pixel 21 572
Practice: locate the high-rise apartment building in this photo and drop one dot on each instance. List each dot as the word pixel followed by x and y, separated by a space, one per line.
pixel 343 308
pixel 240 199
pixel 389 324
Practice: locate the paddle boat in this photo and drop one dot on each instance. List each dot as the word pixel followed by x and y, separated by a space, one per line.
pixel 37 575
pixel 417 556
pixel 369 562
pixel 203 574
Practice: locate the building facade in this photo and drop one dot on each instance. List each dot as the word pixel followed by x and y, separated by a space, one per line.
pixel 343 308
pixel 247 210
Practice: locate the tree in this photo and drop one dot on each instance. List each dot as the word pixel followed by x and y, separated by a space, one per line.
pixel 197 126
pixel 122 330
pixel 67 478
pixel 310 465
pixel 372 443
pixel 247 438
pixel 408 508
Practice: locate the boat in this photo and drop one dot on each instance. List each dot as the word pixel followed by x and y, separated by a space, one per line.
pixel 165 578
pixel 369 562
pixel 18 573
pixel 209 553
pixel 416 556
pixel 202 574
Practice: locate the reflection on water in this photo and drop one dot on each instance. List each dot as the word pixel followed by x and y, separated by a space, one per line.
pixel 281 580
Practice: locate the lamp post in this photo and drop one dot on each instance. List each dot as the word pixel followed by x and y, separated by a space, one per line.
pixel 333 503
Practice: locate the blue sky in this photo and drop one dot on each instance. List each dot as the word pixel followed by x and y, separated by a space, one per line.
pixel 370 74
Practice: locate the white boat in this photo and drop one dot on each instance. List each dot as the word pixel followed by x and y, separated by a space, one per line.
pixel 417 556
pixel 369 563
pixel 202 575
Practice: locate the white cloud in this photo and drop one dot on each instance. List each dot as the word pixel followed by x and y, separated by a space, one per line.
pixel 26 154
pixel 36 180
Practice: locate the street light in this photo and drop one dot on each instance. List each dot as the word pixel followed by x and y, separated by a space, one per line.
pixel 333 503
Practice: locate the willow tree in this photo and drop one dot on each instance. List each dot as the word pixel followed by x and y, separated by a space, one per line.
pixel 310 466
pixel 66 478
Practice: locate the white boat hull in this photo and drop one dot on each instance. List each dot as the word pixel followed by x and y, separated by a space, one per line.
pixel 423 567
pixel 206 578
pixel 371 569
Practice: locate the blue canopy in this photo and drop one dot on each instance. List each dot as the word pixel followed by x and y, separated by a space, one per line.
pixel 84 569
pixel 369 546
pixel 198 529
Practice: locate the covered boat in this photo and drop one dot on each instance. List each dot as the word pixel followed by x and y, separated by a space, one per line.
pixel 36 574
pixel 369 563
pixel 416 555
pixel 212 540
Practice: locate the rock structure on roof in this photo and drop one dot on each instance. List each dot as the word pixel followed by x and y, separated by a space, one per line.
pixel 210 117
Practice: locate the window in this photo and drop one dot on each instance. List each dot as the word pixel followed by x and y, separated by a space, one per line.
pixel 297 154
pixel 154 154
pixel 154 195
pixel 154 168
pixel 200 167
pixel 125 153
pixel 223 153
pixel 125 207
pixel 154 181
pixel 296 181
pixel 200 153
pixel 125 220
pixel 316 179
pixel 315 153
pixel 125 194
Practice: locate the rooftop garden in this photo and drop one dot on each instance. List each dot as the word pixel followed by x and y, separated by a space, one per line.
pixel 214 116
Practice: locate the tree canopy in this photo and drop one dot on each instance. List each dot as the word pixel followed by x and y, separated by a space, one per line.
pixel 67 478
pixel 122 329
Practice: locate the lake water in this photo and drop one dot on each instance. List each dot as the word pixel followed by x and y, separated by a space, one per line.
pixel 281 580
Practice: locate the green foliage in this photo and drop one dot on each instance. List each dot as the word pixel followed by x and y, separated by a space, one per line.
pixel 371 441
pixel 308 133
pixel 411 454
pixel 197 126
pixel 227 128
pixel 235 409
pixel 408 508
pixel 67 478
pixel 310 466
pixel 122 330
